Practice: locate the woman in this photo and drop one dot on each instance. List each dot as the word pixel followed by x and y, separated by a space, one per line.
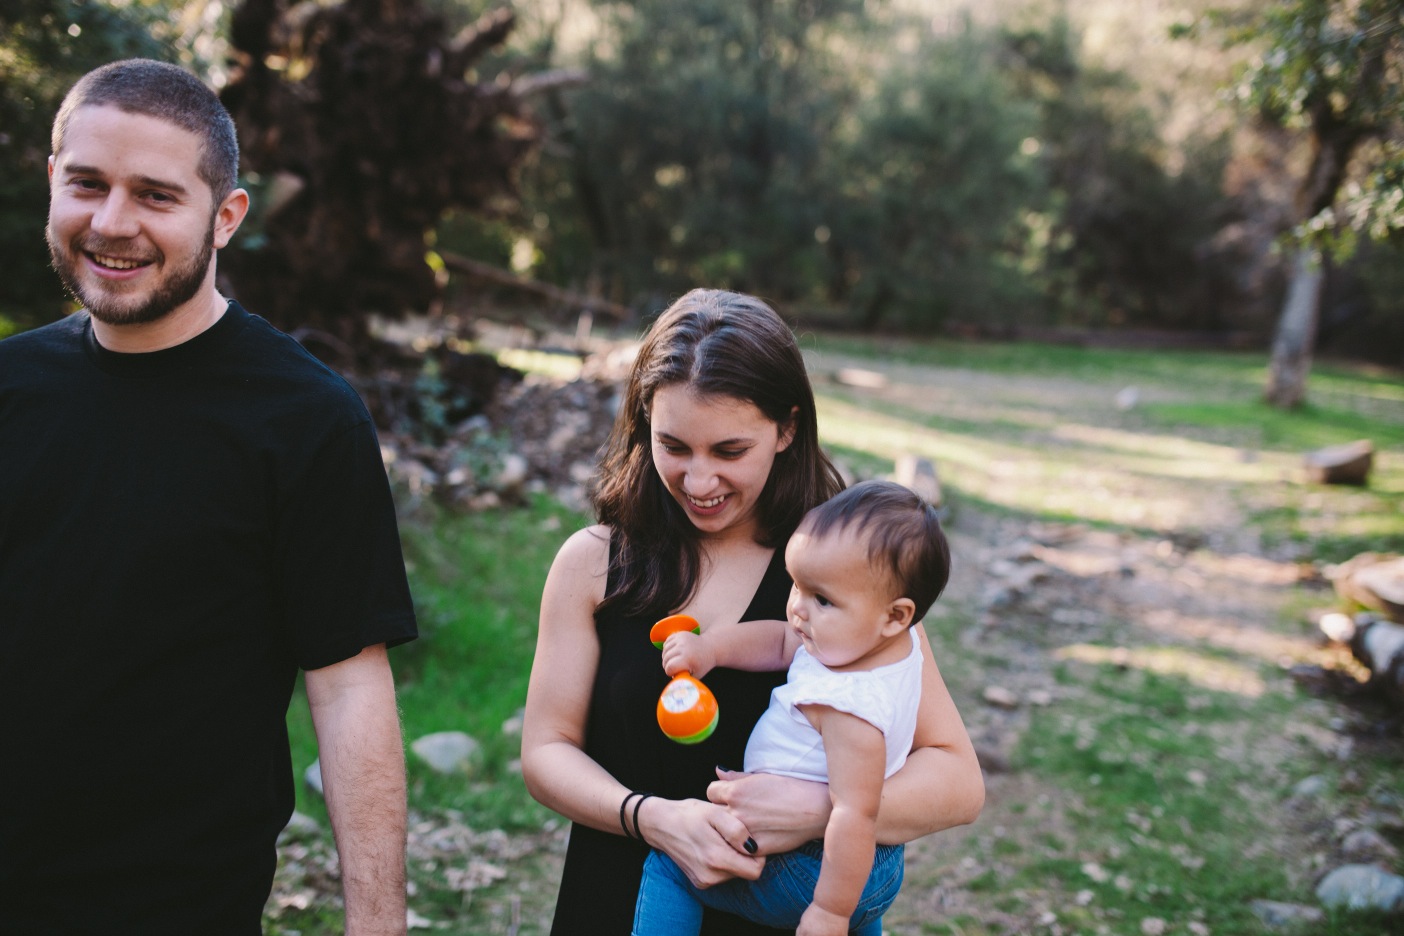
pixel 713 460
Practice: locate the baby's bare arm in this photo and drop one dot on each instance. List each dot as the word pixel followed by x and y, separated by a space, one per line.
pixel 856 754
pixel 755 646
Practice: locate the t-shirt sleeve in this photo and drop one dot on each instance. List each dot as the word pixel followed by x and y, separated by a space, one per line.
pixel 340 569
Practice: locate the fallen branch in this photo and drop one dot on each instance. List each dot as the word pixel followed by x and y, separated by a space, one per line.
pixel 566 297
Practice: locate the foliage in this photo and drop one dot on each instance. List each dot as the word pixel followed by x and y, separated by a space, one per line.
pixel 694 148
pixel 931 187
pixel 46 45
pixel 1336 68
pixel 1124 234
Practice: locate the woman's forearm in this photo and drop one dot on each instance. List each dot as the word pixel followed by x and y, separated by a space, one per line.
pixel 936 789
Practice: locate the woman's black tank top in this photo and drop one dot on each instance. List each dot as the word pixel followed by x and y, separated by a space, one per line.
pixel 600 882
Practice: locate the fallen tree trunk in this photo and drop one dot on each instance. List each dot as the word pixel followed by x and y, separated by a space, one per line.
pixel 566 297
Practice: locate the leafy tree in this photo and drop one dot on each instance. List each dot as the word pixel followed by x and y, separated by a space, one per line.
pixel 1124 234
pixel 1335 69
pixel 693 150
pixel 931 182
pixel 45 46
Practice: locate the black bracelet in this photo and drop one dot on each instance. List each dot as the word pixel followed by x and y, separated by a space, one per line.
pixel 622 805
pixel 638 833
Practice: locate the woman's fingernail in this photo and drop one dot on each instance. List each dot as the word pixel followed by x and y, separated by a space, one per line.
pixel 750 846
pixel 723 769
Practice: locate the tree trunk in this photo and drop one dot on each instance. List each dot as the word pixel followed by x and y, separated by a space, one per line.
pixel 1296 332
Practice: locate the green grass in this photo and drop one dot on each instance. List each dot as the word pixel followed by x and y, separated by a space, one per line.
pixel 477 582
pixel 1166 796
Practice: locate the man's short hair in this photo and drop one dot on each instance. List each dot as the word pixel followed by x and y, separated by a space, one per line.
pixel 166 92
pixel 904 536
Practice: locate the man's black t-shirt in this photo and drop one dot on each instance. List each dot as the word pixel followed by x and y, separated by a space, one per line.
pixel 180 531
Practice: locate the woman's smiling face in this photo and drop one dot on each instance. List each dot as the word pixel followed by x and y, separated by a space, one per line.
pixel 714 455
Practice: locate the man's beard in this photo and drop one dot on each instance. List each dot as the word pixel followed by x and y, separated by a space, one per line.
pixel 180 286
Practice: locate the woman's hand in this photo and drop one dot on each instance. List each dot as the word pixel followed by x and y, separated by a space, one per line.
pixel 708 843
pixel 782 813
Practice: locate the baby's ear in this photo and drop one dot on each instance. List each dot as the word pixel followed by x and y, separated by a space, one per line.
pixel 900 615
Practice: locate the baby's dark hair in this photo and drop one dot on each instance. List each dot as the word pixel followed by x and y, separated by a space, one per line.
pixel 904 535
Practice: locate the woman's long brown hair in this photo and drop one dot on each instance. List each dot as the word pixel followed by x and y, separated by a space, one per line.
pixel 720 344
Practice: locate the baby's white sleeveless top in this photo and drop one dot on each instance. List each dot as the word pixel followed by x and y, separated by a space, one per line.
pixel 784 742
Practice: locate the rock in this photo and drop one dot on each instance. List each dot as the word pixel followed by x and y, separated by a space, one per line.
pixel 1341 464
pixel 1362 887
pixel 312 776
pixel 512 475
pixel 1367 845
pixel 1000 697
pixel 1127 398
pixel 1311 787
pixel 1275 914
pixel 919 475
pixel 991 760
pixel 1153 926
pixel 445 752
pixel 300 827
pixel 513 725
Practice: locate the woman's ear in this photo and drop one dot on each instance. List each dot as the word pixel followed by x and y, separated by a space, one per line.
pixel 787 430
pixel 900 615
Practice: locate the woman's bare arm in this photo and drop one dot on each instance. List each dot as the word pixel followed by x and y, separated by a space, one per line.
pixel 706 841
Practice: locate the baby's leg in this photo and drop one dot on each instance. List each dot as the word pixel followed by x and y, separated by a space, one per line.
pixel 667 904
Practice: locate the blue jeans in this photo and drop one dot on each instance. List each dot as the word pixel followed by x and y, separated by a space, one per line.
pixel 670 905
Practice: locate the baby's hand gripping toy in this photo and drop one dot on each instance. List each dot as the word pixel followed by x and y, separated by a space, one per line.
pixel 687 710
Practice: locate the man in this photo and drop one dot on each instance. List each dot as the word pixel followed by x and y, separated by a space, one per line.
pixel 191 509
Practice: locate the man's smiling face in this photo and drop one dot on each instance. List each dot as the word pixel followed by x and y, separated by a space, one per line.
pixel 131 224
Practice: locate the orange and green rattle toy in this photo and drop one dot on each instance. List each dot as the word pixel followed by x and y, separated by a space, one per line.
pixel 687 710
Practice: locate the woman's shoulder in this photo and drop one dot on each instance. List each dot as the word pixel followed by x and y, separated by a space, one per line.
pixel 585 552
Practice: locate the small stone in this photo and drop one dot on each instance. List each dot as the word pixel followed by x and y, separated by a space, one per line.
pixel 299 826
pixel 1275 914
pixel 1000 697
pixel 312 776
pixel 1153 926
pixel 445 752
pixel 1127 398
pixel 1311 787
pixel 1362 887
pixel 513 725
pixel 1040 697
pixel 1367 845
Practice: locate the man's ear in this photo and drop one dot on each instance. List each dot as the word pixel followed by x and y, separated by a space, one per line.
pixel 900 616
pixel 229 216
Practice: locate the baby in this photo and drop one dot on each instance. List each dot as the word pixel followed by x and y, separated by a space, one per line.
pixel 866 566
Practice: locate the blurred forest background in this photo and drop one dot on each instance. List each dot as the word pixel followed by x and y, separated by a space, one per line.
pixel 1196 173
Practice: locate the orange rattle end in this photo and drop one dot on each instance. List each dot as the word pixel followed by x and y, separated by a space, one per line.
pixel 670 625
pixel 687 710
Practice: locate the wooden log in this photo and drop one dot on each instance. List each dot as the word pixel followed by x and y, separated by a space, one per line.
pixel 1380 647
pixel 1374 581
pixel 1349 463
